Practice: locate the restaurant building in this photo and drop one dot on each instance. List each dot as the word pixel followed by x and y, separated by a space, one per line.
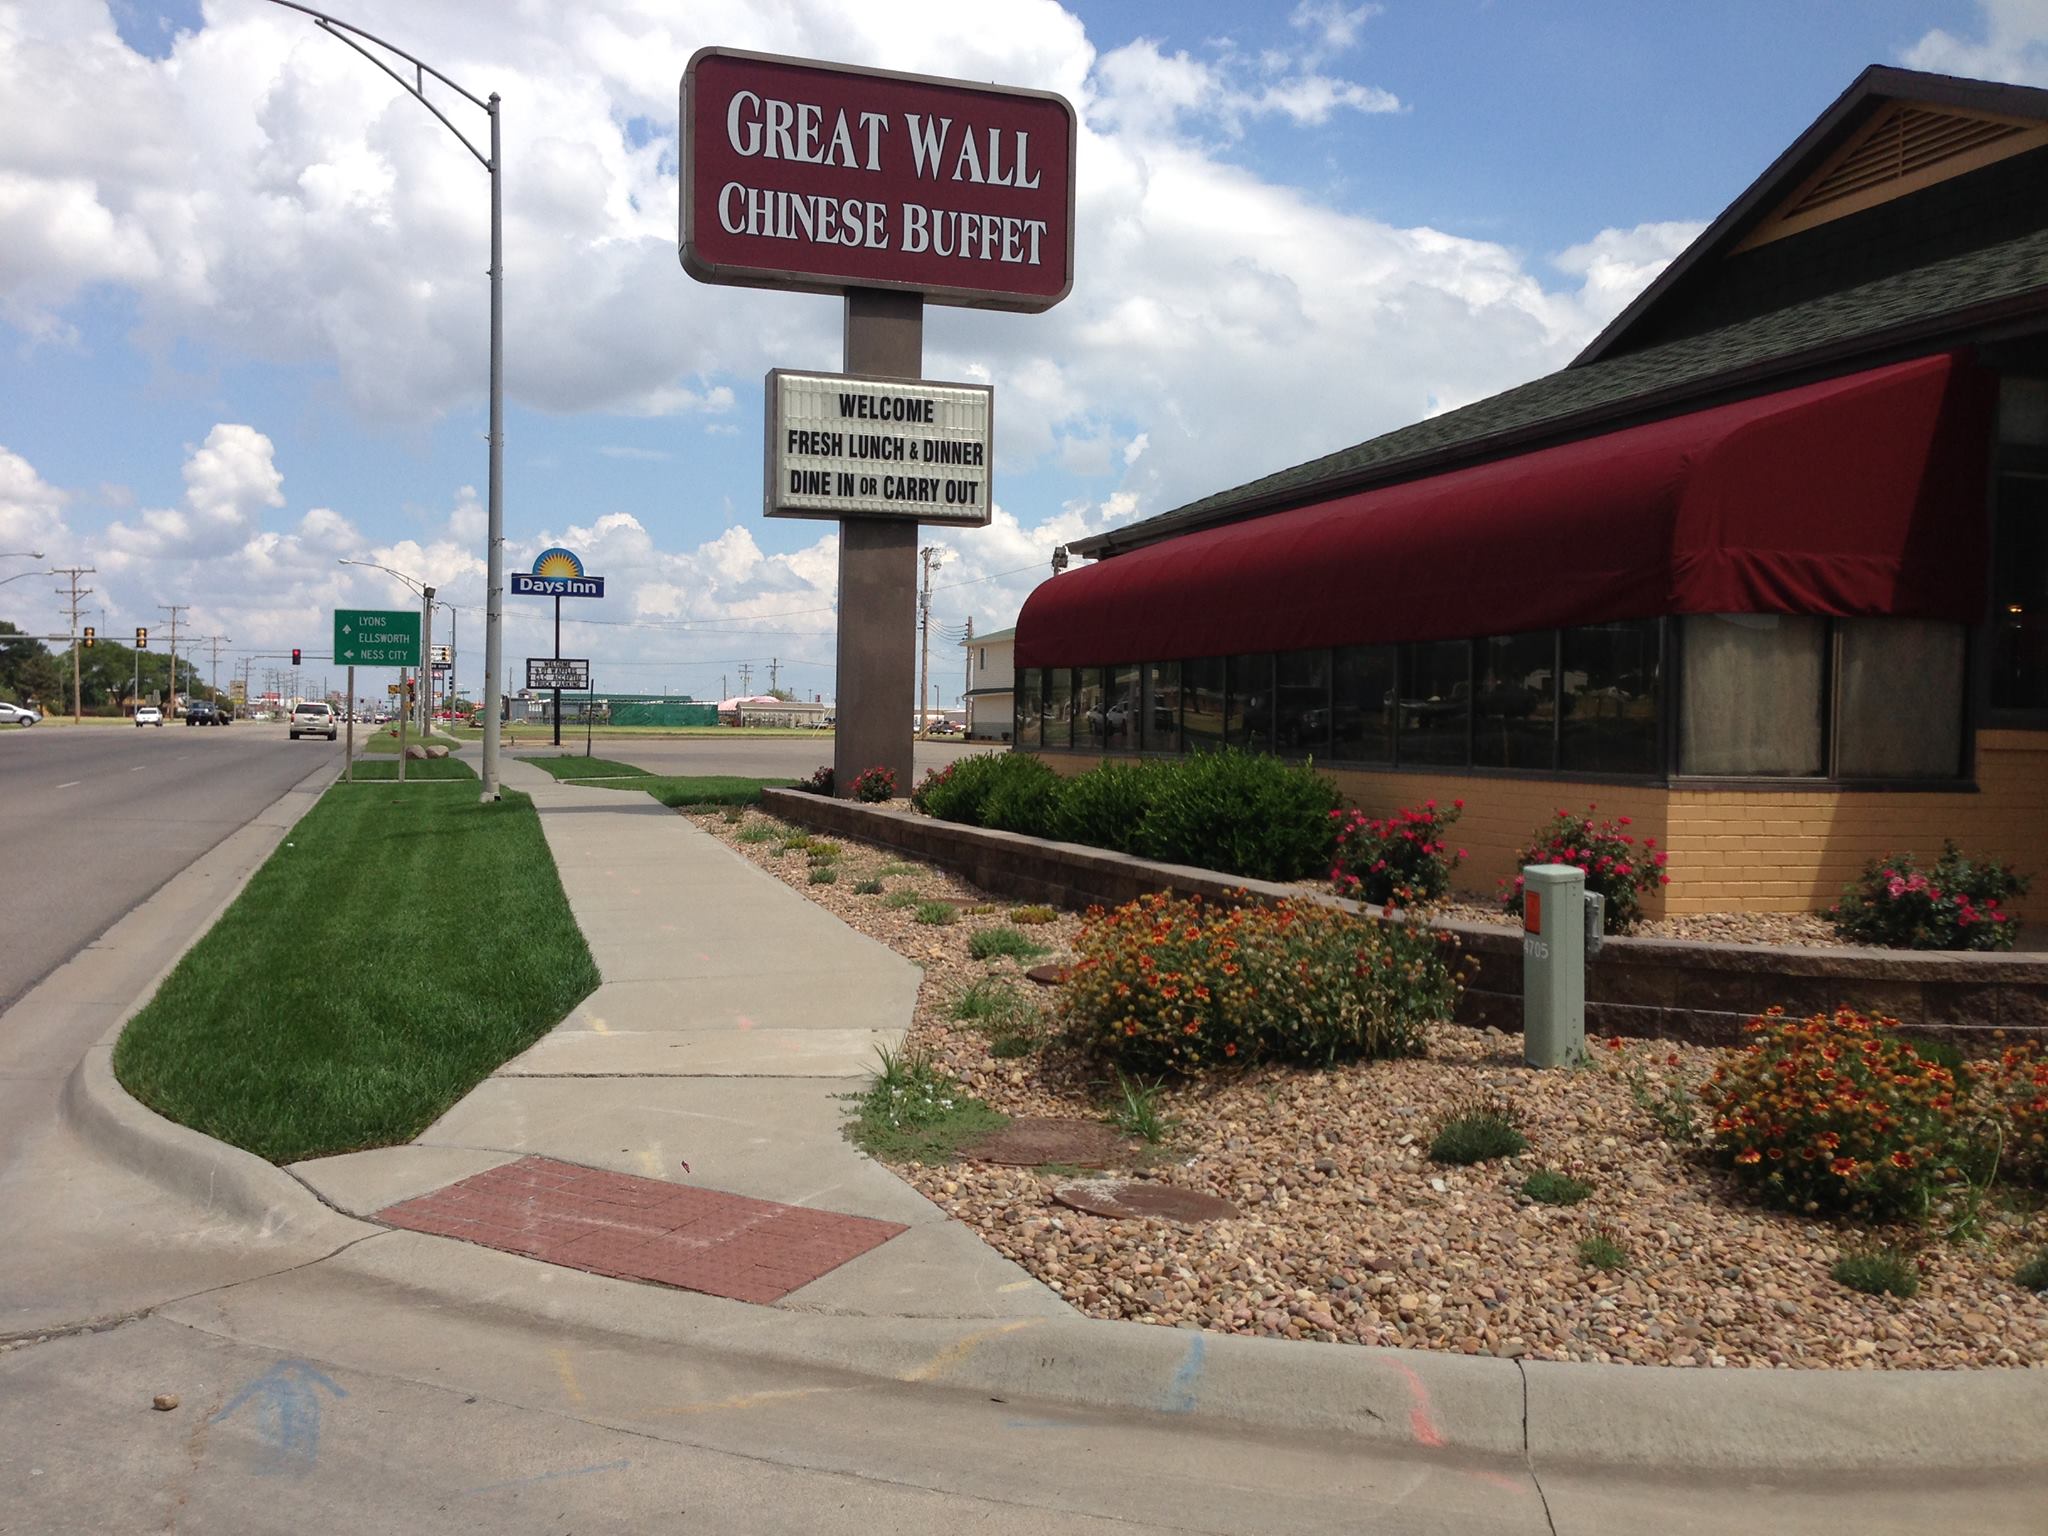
pixel 1764 568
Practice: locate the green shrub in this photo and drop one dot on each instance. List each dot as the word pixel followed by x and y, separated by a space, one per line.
pixel 1106 806
pixel 1033 916
pixel 867 888
pixel 1166 984
pixel 1836 1113
pixel 1242 813
pixel 914 1112
pixel 1602 1249
pixel 795 841
pixel 755 832
pixel 961 791
pixel 936 914
pixel 1960 904
pixel 2033 1273
pixel 1546 1186
pixel 896 901
pixel 986 1000
pixel 1617 864
pixel 874 785
pixel 824 874
pixel 1878 1272
pixel 1023 800
pixel 819 783
pixel 1398 858
pixel 934 779
pixel 819 851
pixel 1477 1133
pixel 1008 943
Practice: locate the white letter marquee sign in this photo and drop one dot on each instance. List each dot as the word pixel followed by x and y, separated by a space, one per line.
pixel 849 445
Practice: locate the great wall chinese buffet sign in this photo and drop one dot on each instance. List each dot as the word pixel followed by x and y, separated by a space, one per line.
pixel 824 178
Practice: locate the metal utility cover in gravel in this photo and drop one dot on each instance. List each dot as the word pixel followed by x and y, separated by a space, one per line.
pixel 630 1228
pixel 1135 1200
pixel 1029 1142
pixel 1047 975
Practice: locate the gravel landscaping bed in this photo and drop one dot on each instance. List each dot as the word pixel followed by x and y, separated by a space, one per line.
pixel 1349 1233
pixel 1804 930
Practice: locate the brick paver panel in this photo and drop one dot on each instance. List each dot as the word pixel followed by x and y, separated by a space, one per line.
pixel 630 1228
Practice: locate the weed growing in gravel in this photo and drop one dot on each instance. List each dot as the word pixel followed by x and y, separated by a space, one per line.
pixel 1032 916
pixel 1477 1133
pixel 1006 943
pixel 896 901
pixel 867 888
pixel 1135 1111
pixel 824 874
pixel 1668 1102
pixel 2033 1274
pixel 1546 1186
pixel 820 851
pixel 936 914
pixel 985 1001
pixel 796 840
pixel 914 1112
pixel 1877 1272
pixel 1007 1047
pixel 888 870
pixel 732 815
pixel 1602 1250
pixel 755 832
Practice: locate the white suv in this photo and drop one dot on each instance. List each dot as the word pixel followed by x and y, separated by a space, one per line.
pixel 313 720
pixel 148 714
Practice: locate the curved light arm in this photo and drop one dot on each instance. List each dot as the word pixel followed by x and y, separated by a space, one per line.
pixel 347 32
pixel 18 576
pixel 412 581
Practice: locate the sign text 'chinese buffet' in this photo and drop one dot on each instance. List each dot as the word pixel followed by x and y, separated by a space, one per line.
pixel 845 445
pixel 823 178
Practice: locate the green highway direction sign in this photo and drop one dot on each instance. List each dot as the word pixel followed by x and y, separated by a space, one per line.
pixel 376 637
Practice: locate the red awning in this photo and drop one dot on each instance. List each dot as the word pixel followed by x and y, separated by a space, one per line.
pixel 1859 496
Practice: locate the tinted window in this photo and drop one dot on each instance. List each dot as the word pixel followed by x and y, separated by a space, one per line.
pixel 1201 692
pixel 1029 704
pixel 1301 697
pixel 1248 715
pixel 1436 701
pixel 1362 704
pixel 1162 707
pixel 1120 721
pixel 2019 584
pixel 1516 701
pixel 1059 708
pixel 1088 722
pixel 1611 697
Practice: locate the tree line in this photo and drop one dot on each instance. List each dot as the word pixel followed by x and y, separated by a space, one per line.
pixel 32 673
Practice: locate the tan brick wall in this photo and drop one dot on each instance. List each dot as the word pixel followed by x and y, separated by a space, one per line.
pixel 1766 850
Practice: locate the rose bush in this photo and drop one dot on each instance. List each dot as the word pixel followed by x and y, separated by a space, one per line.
pixel 1617 864
pixel 1959 904
pixel 1398 858
pixel 1167 984
pixel 875 785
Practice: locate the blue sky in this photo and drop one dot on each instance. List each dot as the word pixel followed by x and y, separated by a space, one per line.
pixel 244 312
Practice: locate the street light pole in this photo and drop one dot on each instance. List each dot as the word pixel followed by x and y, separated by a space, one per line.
pixel 494 163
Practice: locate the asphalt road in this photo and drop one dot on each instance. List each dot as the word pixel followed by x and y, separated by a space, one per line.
pixel 93 819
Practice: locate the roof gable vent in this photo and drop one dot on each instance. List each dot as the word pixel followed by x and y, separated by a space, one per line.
pixel 1906 147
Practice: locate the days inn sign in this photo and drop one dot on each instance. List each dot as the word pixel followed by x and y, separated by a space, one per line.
pixel 556 573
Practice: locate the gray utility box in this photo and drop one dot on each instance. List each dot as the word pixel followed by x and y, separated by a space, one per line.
pixel 1562 926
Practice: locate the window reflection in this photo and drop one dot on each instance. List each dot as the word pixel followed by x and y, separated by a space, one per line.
pixel 1030 719
pixel 1121 711
pixel 1089 724
pixel 1059 708
pixel 1516 702
pixel 1301 693
pixel 1610 698
pixel 1161 707
pixel 1201 693
pixel 1362 704
pixel 1436 702
pixel 1248 716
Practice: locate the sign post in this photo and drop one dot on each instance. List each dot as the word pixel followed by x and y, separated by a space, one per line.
pixel 348 747
pixel 557 573
pixel 375 637
pixel 890 190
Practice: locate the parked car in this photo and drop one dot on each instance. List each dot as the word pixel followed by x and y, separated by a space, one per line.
pixel 148 714
pixel 314 719
pixel 17 714
pixel 202 713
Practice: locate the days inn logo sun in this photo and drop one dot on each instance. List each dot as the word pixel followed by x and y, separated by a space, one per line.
pixel 556 562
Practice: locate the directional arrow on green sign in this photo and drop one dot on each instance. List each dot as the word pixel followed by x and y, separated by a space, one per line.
pixel 376 637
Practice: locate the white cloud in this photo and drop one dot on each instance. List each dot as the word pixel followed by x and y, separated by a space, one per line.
pixel 1336 26
pixel 229 480
pixel 2013 47
pixel 31 512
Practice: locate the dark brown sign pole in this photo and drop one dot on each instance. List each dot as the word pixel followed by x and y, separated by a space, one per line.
pixel 877 571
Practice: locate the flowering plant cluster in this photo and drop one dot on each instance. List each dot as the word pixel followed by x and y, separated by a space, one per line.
pixel 1166 984
pixel 1837 1113
pixel 875 784
pixel 1398 858
pixel 819 783
pixel 1959 904
pixel 2016 1088
pixel 1618 865
pixel 934 779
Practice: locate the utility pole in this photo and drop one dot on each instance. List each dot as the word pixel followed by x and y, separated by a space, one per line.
pixel 774 673
pixel 74 572
pixel 967 686
pixel 216 641
pixel 427 661
pixel 171 693
pixel 746 680
pixel 932 555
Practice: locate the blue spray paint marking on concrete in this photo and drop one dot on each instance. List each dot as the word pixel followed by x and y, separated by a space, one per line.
pixel 1180 1396
pixel 286 1399
pixel 549 1477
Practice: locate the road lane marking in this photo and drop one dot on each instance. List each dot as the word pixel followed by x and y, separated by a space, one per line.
pixel 138 768
pixel 72 785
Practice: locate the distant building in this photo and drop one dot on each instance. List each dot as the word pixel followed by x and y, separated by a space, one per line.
pixel 766 709
pixel 991 685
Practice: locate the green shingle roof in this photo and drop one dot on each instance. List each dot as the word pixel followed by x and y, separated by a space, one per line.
pixel 1897 307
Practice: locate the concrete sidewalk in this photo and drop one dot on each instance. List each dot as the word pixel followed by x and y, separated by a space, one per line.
pixel 732 1018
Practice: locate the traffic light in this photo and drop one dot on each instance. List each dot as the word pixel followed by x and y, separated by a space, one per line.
pixel 89 636
pixel 295 655
pixel 141 638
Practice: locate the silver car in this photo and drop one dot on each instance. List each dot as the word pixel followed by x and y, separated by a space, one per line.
pixel 314 720
pixel 17 714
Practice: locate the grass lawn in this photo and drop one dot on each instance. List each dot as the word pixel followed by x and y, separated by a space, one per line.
pixel 541 732
pixel 586 768
pixel 699 788
pixel 390 954
pixel 387 741
pixel 385 770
